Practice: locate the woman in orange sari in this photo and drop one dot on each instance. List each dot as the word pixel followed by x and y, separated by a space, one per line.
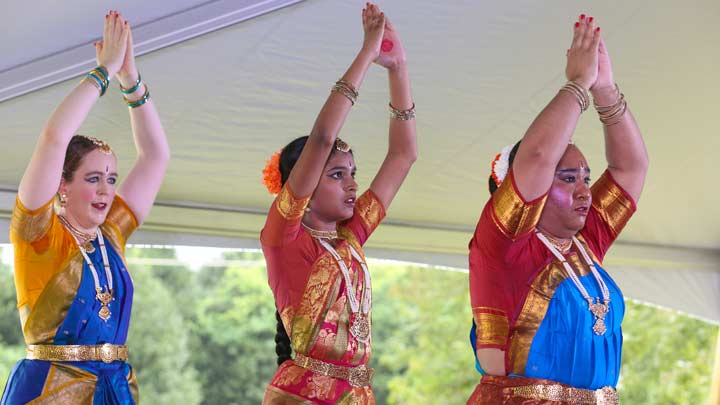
pixel 547 316
pixel 315 231
pixel 73 286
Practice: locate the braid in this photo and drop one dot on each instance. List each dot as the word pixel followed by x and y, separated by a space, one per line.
pixel 283 349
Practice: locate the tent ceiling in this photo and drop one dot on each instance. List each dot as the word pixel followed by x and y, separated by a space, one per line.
pixel 481 72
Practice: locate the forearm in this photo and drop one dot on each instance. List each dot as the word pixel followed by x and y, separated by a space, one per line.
pixel 402 142
pixel 42 176
pixel 335 110
pixel 624 147
pixel 544 144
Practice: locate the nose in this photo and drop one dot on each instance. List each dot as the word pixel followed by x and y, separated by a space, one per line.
pixel 102 187
pixel 351 184
pixel 582 191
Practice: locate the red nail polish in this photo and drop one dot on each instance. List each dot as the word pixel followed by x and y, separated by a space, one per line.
pixel 582 16
pixel 597 29
pixel 577 24
pixel 590 19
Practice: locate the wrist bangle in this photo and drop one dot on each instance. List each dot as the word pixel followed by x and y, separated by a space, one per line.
pixel 579 92
pixel 402 115
pixel 142 100
pixel 99 76
pixel 132 89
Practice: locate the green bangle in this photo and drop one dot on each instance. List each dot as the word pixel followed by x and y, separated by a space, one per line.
pixel 101 82
pixel 132 89
pixel 142 100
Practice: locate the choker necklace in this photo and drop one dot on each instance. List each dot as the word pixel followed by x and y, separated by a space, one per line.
pixel 83 239
pixel 103 297
pixel 597 307
pixel 320 234
pixel 563 245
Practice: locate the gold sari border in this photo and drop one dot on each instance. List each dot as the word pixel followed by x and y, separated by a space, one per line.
pixel 289 205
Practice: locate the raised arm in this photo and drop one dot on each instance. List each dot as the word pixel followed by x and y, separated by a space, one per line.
pixel 142 183
pixel 624 147
pixel 402 145
pixel 547 138
pixel 306 172
pixel 42 176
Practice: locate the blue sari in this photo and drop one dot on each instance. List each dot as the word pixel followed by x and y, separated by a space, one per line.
pixel 65 312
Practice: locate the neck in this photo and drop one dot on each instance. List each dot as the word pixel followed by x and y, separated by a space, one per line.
pixel 79 227
pixel 561 235
pixel 311 221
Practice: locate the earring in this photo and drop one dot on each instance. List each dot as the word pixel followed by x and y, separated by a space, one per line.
pixel 63 202
pixel 307 209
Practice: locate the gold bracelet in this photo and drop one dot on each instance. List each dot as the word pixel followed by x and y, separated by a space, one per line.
pixel 345 92
pixel 402 115
pixel 94 83
pixel 579 92
pixel 613 113
pixel 349 86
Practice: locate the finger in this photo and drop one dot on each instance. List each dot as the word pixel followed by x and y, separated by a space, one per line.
pixel 388 25
pixel 577 37
pixel 589 32
pixel 106 26
pixel 601 43
pixel 98 49
pixel 597 38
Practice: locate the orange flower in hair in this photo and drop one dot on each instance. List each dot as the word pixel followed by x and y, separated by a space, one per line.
pixel 272 179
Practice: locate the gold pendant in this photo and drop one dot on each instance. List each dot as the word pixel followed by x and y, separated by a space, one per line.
pixel 360 327
pixel 89 247
pixel 104 298
pixel 599 310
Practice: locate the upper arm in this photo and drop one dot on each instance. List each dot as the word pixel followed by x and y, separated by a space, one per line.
pixel 307 170
pixel 283 223
pixel 141 186
pixel 41 179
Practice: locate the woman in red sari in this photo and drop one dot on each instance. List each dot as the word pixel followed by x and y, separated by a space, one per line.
pixel 546 314
pixel 315 231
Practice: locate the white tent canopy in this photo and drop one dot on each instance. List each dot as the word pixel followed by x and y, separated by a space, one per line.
pixel 236 80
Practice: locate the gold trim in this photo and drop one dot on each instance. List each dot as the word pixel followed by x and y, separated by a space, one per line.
pixel 612 203
pixel 288 205
pixel 512 214
pixel 370 209
pixel 491 329
pixel 31 225
pixel 358 377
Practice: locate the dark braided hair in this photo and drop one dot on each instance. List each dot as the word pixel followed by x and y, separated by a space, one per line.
pixel 491 183
pixel 288 157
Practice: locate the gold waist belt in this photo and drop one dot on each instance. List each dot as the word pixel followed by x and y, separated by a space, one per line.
pixel 602 396
pixel 106 353
pixel 358 377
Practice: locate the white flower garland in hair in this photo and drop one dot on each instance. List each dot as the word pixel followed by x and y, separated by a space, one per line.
pixel 501 165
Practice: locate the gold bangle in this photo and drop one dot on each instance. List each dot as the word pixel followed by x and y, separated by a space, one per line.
pixel 402 115
pixel 349 86
pixel 345 92
pixel 94 83
pixel 579 92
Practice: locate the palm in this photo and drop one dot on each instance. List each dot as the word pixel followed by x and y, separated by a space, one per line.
pixel 392 52
pixel 605 73
pixel 128 68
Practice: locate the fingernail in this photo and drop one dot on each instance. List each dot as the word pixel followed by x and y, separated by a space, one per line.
pixel 582 16
pixel 591 19
pixel 597 29
pixel 577 24
pixel 125 22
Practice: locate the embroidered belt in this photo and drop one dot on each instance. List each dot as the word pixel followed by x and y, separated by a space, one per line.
pixel 106 353
pixel 560 393
pixel 358 377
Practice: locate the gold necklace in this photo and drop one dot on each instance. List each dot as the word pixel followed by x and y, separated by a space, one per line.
pixel 320 234
pixel 562 245
pixel 84 239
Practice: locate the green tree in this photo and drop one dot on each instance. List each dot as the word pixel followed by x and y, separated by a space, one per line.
pixel 159 342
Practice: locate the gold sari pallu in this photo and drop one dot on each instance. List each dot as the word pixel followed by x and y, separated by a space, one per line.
pixel 357 377
pixel 107 353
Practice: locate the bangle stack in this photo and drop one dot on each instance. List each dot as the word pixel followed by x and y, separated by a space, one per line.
pixel 402 115
pixel 579 92
pixel 613 113
pixel 99 78
pixel 347 89
pixel 132 89
pixel 142 100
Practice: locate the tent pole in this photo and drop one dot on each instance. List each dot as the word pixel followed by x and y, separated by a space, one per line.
pixel 715 390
